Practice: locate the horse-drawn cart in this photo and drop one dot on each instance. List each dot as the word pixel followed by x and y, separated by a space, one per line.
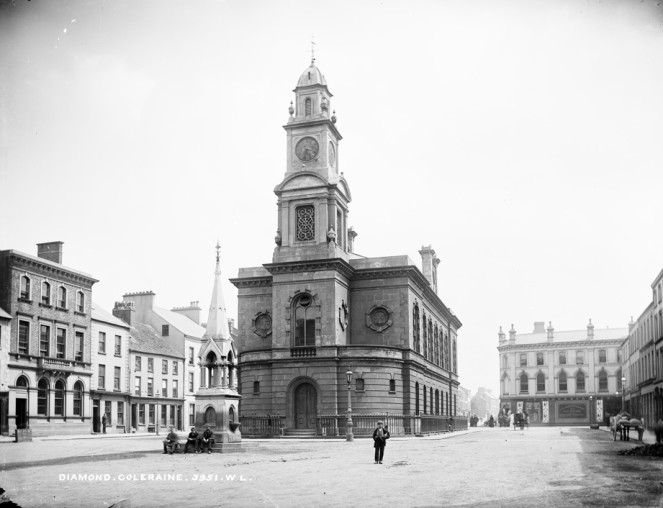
pixel 622 424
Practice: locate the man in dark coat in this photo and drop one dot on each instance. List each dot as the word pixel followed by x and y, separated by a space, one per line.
pixel 207 439
pixel 193 439
pixel 170 442
pixel 380 436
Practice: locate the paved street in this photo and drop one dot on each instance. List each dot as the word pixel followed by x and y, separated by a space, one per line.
pixel 482 467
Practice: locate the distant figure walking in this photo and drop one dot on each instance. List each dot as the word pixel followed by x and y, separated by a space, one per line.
pixel 380 436
pixel 103 422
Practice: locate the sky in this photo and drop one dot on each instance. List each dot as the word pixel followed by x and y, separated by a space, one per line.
pixel 520 139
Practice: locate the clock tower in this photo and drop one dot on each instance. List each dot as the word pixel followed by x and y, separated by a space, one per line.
pixel 313 196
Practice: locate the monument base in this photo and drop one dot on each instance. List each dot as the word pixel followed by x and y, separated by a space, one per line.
pixel 218 408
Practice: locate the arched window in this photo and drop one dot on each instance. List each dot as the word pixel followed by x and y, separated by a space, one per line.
pixel 42 397
pixel 523 383
pixel 22 382
pixel 231 414
pixel 603 381
pixel 415 327
pixel 416 398
pixel 62 297
pixel 304 317
pixel 308 107
pixel 425 341
pixel 540 382
pixel 210 416
pixel 580 381
pixel 392 386
pixel 80 302
pixel 430 339
pixel 45 293
pixel 78 398
pixel 436 341
pixel 563 387
pixel 58 408
pixel 25 287
pixel 437 402
pixel 425 409
pixel 430 392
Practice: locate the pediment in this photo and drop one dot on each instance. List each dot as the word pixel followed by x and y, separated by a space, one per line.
pixel 301 180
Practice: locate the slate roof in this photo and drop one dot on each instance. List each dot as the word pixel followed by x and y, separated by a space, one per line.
pixel 145 339
pixel 181 322
pixel 99 314
pixel 570 336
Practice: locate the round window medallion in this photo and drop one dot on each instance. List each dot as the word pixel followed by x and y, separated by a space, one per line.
pixel 378 318
pixel 262 324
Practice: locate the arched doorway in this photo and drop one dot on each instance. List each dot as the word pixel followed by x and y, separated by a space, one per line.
pixel 306 403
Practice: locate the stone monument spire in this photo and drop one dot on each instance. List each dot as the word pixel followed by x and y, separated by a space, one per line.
pixel 217 321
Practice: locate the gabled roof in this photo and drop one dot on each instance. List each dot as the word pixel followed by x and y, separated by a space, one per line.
pixel 99 314
pixel 145 339
pixel 182 323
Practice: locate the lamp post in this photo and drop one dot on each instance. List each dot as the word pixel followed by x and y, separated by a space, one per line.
pixel 623 393
pixel 591 419
pixel 348 435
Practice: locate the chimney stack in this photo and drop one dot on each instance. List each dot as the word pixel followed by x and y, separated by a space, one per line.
pixel 124 311
pixel 539 327
pixel 352 234
pixel 51 251
pixel 512 335
pixel 631 325
pixel 551 331
pixel 502 336
pixel 590 330
pixel 429 262
pixel 192 311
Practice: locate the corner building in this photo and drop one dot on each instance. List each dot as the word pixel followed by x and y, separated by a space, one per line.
pixel 319 310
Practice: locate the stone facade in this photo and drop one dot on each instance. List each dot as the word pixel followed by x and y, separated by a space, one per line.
pixel 562 377
pixel 319 309
pixel 50 359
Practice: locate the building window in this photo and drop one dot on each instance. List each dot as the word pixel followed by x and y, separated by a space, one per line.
pixel 78 398
pixel 42 397
pixel 120 413
pixel 192 414
pixel 137 387
pixel 359 385
pixel 562 382
pixel 602 356
pixel 580 357
pixel 58 408
pixel 416 398
pixel 523 359
pixel 256 387
pixel 118 345
pixel 562 357
pixel 424 340
pixel 102 342
pixel 151 415
pixel 80 302
pixel 164 366
pixel 141 414
pixel 304 321
pixel 308 108
pixel 190 356
pixel 191 382
pixel 44 340
pixel 150 365
pixel 62 297
pixel 392 386
pixel 164 412
pixel 101 382
pixel 603 381
pixel 175 388
pixel 539 358
pixel 45 293
pixel 23 337
pixel 79 346
pixel 116 379
pixel 172 415
pixel 164 388
pixel 523 383
pixel 540 383
pixel 25 288
pixel 305 217
pixel 175 367
pixel 138 363
pixel 164 330
pixel 150 386
pixel 60 343
pixel 108 408
pixel 580 382
pixel 22 382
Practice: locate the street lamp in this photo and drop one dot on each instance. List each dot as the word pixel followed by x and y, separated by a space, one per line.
pixel 591 400
pixel 623 393
pixel 348 435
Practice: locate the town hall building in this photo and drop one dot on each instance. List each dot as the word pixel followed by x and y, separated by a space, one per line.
pixel 320 310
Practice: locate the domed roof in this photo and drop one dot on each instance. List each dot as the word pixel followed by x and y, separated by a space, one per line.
pixel 311 76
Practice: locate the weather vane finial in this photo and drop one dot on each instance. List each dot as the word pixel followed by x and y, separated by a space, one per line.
pixel 312 51
pixel 218 248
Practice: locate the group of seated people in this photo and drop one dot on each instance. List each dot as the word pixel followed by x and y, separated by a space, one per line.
pixel 199 442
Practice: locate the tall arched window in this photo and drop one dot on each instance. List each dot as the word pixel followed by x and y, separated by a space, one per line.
pixel 580 381
pixel 78 398
pixel 416 398
pixel 523 383
pixel 436 342
pixel 58 408
pixel 425 409
pixel 540 382
pixel 62 297
pixel 425 341
pixel 430 339
pixel 563 387
pixel 42 397
pixel 437 402
pixel 304 318
pixel 25 287
pixel 80 301
pixel 603 381
pixel 45 293
pixel 22 382
pixel 415 327
pixel 308 107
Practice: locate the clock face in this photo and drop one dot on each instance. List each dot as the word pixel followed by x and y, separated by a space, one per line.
pixel 332 154
pixel 307 149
